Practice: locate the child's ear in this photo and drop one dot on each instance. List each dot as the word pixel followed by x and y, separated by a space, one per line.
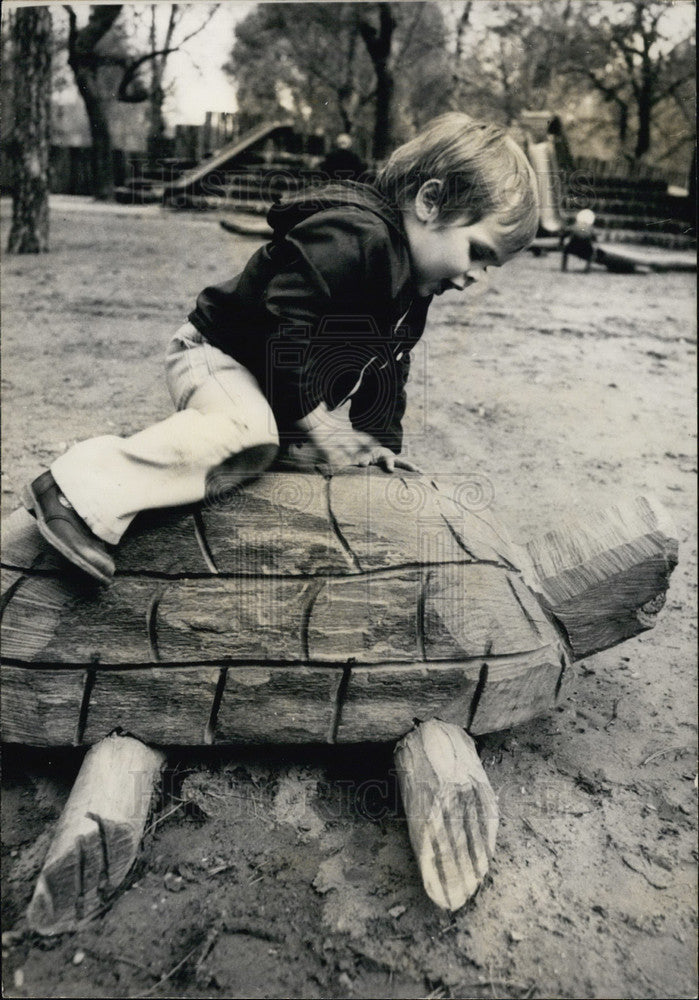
pixel 427 200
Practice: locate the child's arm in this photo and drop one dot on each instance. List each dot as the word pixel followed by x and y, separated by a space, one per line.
pixel 378 406
pixel 338 444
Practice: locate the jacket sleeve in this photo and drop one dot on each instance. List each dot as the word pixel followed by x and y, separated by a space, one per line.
pixel 379 403
pixel 332 275
pixel 378 406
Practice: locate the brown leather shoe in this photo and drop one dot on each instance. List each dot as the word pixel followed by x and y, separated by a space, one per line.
pixel 62 528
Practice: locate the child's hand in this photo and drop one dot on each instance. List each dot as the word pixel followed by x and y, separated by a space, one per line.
pixel 384 457
pixel 333 441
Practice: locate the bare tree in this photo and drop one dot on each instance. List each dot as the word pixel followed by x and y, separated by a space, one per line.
pixel 162 42
pixel 515 63
pixel 557 53
pixel 632 62
pixel 31 61
pixel 90 53
pixel 313 53
pixel 85 61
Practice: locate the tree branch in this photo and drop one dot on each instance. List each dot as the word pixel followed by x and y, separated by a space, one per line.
pixel 461 26
pixel 671 89
pixel 201 27
pixel 123 93
pixel 610 93
pixel 409 35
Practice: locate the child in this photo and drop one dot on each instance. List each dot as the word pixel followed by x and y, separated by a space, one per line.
pixel 581 239
pixel 324 314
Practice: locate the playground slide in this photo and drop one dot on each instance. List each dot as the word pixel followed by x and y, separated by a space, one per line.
pixel 222 158
pixel 542 159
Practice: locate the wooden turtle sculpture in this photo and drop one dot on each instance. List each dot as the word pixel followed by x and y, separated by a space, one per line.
pixel 310 607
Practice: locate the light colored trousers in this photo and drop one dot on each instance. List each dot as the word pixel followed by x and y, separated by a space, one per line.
pixel 223 417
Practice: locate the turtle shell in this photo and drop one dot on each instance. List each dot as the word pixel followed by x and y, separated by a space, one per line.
pixel 300 608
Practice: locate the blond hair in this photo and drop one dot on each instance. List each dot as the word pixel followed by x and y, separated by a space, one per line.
pixel 481 169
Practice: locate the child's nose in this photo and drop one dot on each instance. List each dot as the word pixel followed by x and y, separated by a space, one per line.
pixel 476 273
pixel 477 268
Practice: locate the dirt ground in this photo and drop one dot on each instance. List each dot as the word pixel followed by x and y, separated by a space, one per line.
pixel 277 873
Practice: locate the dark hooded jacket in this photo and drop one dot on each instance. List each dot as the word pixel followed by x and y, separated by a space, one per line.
pixel 325 311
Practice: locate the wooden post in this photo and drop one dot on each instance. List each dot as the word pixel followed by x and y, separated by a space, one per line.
pixel 451 810
pixel 98 835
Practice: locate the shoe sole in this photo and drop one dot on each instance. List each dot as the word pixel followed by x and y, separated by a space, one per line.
pixel 33 506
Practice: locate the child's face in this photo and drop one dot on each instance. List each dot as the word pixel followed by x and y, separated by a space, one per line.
pixel 451 255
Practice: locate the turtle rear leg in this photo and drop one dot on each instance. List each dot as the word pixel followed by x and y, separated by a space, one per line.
pixel 451 810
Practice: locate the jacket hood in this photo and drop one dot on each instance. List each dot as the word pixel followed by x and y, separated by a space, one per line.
pixel 297 207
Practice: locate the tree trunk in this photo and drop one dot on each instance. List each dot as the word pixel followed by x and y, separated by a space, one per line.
pixel 31 36
pixel 85 63
pixel 645 108
pixel 156 122
pixel 156 128
pixel 378 43
pixel 383 127
pixel 623 122
pixel 102 160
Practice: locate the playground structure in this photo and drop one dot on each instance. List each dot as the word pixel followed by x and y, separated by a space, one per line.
pixel 640 223
pixel 245 175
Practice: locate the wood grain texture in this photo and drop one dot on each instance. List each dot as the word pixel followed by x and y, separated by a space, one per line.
pixel 603 576
pixel 476 610
pixel 391 520
pixel 163 541
pixel 24 548
pixel 278 524
pixel 308 608
pixel 457 611
pixel 451 810
pixel 383 701
pixel 161 705
pixel 283 703
pixel 464 502
pixel 41 707
pixel 294 704
pixel 98 834
pixel 232 619
pixel 70 619
pixel 517 688
pixel 367 619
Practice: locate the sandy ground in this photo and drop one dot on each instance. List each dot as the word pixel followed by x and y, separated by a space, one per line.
pixel 270 873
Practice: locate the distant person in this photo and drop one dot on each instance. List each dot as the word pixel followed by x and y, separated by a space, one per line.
pixel 580 240
pixel 342 163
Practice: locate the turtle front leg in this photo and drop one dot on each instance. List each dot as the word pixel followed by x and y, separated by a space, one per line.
pixel 98 835
pixel 451 810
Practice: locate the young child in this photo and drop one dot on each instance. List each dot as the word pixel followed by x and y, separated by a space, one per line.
pixel 325 314
pixel 580 241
